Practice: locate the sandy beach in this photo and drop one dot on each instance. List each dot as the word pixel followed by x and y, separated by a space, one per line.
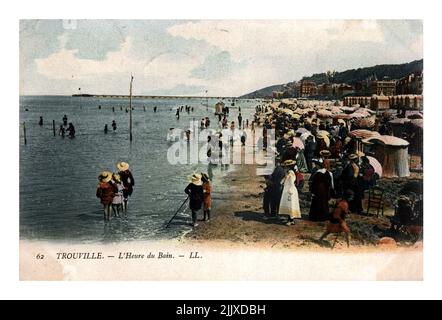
pixel 238 220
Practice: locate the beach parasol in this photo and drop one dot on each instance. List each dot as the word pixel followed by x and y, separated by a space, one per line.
pixel 388 140
pixel 348 109
pixel 376 165
pixel 342 116
pixel 335 110
pixel 324 114
pixel 305 135
pixel 367 122
pixel 414 115
pixel 364 134
pixel 297 143
pixel 399 121
pixel 356 115
pixel 287 111
pixel 302 131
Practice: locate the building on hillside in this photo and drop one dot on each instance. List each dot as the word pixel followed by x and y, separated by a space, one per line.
pixel 344 90
pixel 307 89
pixel 383 87
pixel 382 102
pixel 277 94
pixel 411 84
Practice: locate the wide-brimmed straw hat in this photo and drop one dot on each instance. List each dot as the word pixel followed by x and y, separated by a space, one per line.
pixel 105 176
pixel 288 163
pixel 122 166
pixel 196 179
pixel 353 156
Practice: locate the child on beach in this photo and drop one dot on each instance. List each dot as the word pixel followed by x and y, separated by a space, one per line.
pixel 117 201
pixel 61 131
pixel 196 196
pixel 337 224
pixel 105 192
pixel 207 200
pixel 128 181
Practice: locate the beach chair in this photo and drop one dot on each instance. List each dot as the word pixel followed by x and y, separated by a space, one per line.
pixel 376 200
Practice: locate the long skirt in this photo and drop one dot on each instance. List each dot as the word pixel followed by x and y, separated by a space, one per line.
pixel 290 203
pixel 319 210
pixel 301 162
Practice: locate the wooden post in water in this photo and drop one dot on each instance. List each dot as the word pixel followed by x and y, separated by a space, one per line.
pixel 24 132
pixel 53 127
pixel 130 108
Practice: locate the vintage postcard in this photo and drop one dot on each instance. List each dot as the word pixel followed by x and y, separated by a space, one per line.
pixel 221 150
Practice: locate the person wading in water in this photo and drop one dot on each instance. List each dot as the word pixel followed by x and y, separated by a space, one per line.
pixel 128 182
pixel 71 130
pixel 105 192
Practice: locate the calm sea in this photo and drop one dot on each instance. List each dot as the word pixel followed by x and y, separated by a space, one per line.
pixel 58 176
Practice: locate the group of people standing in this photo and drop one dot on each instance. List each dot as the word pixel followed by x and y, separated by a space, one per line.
pixel 62 130
pixel 114 127
pixel 185 108
pixel 310 147
pixel 114 190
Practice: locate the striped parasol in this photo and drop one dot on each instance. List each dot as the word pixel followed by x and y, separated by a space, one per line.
pixel 376 165
pixel 297 143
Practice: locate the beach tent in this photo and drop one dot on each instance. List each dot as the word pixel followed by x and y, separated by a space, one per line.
pixel 365 123
pixel 398 125
pixel 219 108
pixel 360 135
pixel 392 154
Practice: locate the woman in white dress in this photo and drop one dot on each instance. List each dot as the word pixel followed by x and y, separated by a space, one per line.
pixel 289 205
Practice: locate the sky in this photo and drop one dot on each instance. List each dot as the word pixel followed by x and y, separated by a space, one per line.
pixel 188 57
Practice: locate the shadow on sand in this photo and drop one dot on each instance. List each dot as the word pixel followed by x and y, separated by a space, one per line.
pixel 260 217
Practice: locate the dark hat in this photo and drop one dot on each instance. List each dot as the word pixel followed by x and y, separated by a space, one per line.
pixel 205 177
pixel 325 153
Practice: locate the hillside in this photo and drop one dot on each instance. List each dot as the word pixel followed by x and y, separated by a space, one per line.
pixel 393 71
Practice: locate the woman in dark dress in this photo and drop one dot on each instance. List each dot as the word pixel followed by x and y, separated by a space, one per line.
pixel 128 181
pixel 321 188
pixel 350 181
pixel 196 196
